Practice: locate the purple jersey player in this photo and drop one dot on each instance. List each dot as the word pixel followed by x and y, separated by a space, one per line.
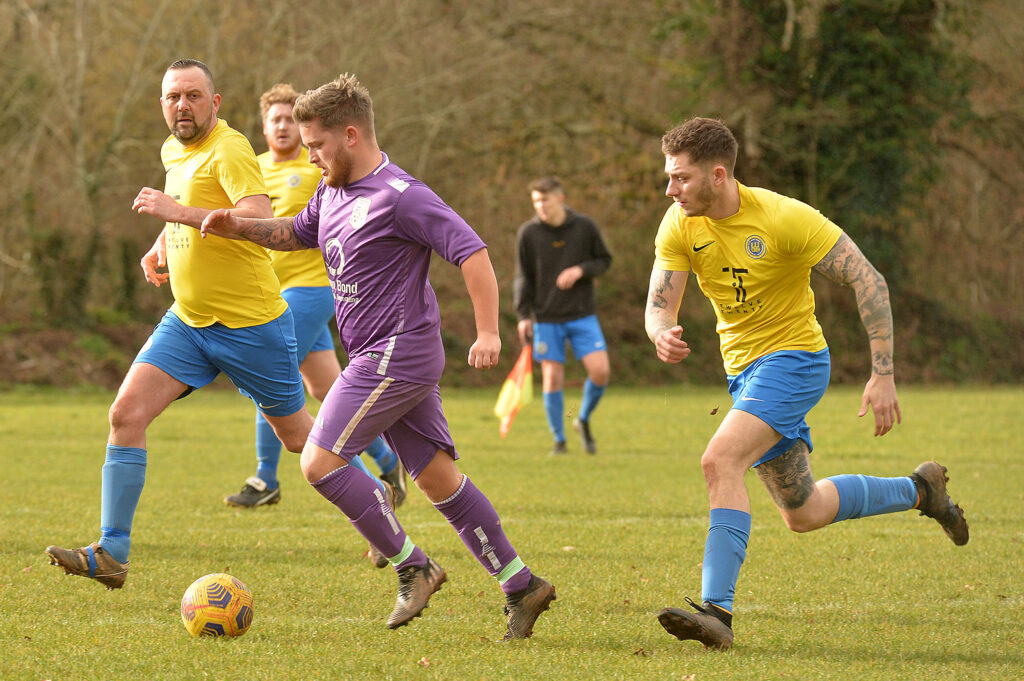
pixel 376 227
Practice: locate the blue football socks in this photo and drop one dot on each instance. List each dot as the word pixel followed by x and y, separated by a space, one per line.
pixel 357 462
pixel 592 393
pixel 724 551
pixel 382 455
pixel 124 474
pixel 554 407
pixel 268 452
pixel 862 495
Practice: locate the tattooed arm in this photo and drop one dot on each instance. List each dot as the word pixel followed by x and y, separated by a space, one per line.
pixel 160 205
pixel 273 233
pixel 846 265
pixel 661 316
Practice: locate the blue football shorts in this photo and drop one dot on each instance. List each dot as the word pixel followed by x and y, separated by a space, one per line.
pixel 780 389
pixel 259 360
pixel 584 335
pixel 312 312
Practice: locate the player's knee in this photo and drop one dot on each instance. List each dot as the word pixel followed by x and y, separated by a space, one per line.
pixel 308 470
pixel 712 464
pixel 293 442
pixel 600 376
pixel 800 522
pixel 797 524
pixel 316 462
pixel 125 415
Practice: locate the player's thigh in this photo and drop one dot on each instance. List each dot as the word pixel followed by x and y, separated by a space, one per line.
pixel 179 350
pixel 319 371
pixel 597 366
pixel 261 362
pixel 312 309
pixel 420 433
pixel 359 407
pixel 780 389
pixel 552 375
pixel 144 394
pixel 586 338
pixel 738 443
pixel 292 430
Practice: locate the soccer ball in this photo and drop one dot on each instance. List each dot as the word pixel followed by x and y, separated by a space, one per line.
pixel 217 605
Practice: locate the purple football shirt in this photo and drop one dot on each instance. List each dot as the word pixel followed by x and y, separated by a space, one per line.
pixel 376 236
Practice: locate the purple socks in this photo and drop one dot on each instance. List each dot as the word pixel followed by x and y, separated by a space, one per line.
pixel 478 525
pixel 359 498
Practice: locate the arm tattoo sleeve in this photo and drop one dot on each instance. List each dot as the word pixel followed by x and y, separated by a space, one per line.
pixel 846 265
pixel 276 234
pixel 658 316
pixel 656 295
pixel 788 477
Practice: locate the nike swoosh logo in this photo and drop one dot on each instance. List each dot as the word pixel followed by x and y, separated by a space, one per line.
pixel 701 248
pixel 754 399
pixel 268 406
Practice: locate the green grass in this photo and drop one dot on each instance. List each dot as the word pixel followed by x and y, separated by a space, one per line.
pixel 621 535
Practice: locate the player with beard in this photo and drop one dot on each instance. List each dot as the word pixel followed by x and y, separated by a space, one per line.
pixel 377 227
pixel 291 180
pixel 228 314
pixel 752 251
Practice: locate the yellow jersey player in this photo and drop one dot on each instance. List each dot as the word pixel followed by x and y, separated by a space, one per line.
pixel 228 314
pixel 752 252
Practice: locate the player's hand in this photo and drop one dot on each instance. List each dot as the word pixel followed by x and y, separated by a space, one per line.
pixel 568 277
pixel 220 222
pixel 525 329
pixel 156 259
pixel 483 354
pixel 880 393
pixel 154 202
pixel 670 346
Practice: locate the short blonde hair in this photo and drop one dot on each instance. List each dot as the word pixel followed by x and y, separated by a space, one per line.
pixel 341 102
pixel 282 93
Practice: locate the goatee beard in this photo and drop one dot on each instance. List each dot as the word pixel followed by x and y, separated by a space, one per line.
pixel 197 132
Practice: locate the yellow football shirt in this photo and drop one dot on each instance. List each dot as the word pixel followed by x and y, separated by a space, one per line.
pixel 755 268
pixel 290 185
pixel 216 279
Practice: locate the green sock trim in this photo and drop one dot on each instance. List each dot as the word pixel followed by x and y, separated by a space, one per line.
pixel 407 549
pixel 510 570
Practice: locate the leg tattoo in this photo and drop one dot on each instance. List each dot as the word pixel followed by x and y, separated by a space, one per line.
pixel 788 477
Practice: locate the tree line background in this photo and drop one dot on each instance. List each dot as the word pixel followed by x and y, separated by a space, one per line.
pixel 900 120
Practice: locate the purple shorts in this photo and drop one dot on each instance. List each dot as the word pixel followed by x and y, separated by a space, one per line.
pixel 362 405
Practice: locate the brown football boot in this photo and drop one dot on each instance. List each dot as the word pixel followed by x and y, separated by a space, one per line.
pixel 90 561
pixel 524 607
pixel 931 480
pixel 416 584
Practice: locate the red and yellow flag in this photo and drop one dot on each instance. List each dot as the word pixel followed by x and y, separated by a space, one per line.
pixel 516 391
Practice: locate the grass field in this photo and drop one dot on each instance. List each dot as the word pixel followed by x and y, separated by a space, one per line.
pixel 620 534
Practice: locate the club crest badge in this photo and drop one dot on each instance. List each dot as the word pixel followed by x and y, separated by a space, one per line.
pixel 755 247
pixel 360 211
